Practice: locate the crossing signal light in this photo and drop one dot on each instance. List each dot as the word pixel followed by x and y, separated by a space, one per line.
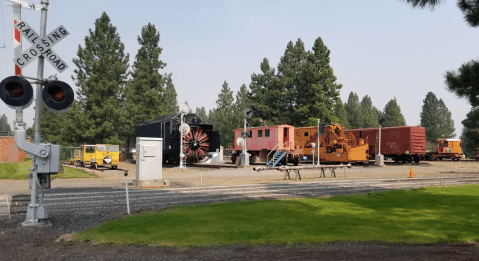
pixel 57 96
pixel 16 92
pixel 322 128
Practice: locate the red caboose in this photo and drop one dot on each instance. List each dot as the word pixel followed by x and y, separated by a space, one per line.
pixel 263 142
pixel 402 143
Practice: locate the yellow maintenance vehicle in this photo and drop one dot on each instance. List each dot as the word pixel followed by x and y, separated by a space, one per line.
pixel 446 149
pixel 106 155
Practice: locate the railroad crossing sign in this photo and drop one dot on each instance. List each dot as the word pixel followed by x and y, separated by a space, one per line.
pixel 41 46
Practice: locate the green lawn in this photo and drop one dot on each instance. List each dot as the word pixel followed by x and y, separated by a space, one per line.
pixel 426 215
pixel 20 171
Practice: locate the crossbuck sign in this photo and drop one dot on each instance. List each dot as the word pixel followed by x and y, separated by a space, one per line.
pixel 41 46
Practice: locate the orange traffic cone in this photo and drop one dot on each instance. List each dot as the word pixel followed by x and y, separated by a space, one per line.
pixel 411 173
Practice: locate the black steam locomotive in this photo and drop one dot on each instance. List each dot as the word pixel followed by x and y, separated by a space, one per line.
pixel 196 144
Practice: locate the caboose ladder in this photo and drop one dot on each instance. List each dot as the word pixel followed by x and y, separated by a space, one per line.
pixel 276 158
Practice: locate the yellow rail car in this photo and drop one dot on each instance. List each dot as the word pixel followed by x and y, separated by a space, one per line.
pixel 336 146
pixel 105 155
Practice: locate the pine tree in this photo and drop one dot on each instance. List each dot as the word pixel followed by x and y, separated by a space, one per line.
pixel 201 112
pixel 446 124
pixel 101 77
pixel 4 125
pixel 465 83
pixel 341 115
pixel 470 132
pixel 145 92
pixel 224 115
pixel 352 108
pixel 368 113
pixel 170 101
pixel 242 101
pixel 392 114
pixel 266 96
pixel 436 118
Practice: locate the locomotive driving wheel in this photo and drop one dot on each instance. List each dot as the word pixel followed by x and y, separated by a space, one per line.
pixel 196 145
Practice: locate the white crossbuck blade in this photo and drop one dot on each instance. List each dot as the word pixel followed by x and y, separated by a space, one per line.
pixel 41 46
pixel 27 5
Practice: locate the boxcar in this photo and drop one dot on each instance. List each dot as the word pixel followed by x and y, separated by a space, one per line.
pixel 403 143
pixel 262 142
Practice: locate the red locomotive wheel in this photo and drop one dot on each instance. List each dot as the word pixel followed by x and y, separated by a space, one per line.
pixel 196 145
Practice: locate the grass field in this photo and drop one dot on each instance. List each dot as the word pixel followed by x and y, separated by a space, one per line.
pixel 426 215
pixel 20 171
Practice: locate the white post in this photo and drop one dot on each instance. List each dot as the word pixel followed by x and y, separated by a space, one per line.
pixel 319 145
pixel 181 141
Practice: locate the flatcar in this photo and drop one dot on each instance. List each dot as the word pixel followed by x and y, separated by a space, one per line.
pixel 197 144
pixel 402 143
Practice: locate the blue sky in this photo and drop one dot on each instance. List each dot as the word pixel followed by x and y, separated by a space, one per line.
pixel 380 48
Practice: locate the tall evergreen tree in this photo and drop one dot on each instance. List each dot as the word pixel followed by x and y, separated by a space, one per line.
pixel 201 112
pixel 169 97
pixel 266 96
pixel 242 101
pixel 436 118
pixel 308 83
pixel 341 115
pixel 430 117
pixel 470 135
pixel 101 76
pixel 352 107
pixel 224 115
pixel 392 114
pixel 145 92
pixel 446 123
pixel 368 113
pixel 4 125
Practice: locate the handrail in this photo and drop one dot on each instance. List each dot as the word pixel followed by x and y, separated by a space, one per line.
pixel 267 157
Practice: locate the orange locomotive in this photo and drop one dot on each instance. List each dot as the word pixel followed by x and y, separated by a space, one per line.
pixel 447 148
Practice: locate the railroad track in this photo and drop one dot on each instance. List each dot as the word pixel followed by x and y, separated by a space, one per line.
pixel 141 199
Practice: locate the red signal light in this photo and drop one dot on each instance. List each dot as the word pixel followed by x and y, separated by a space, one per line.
pixel 57 93
pixel 14 89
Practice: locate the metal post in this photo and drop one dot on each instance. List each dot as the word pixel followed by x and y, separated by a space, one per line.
pixel 379 139
pixel 319 144
pixel 36 211
pixel 181 140
pixel 126 185
pixel 244 147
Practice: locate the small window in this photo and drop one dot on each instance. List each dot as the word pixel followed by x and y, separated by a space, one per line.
pixel 113 148
pixel 445 144
pixel 101 147
pixel 260 133
pixel 246 134
pixel 306 134
pixel 90 149
pixel 266 133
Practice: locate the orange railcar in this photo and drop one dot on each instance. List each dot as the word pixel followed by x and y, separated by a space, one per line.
pixel 336 146
pixel 447 148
